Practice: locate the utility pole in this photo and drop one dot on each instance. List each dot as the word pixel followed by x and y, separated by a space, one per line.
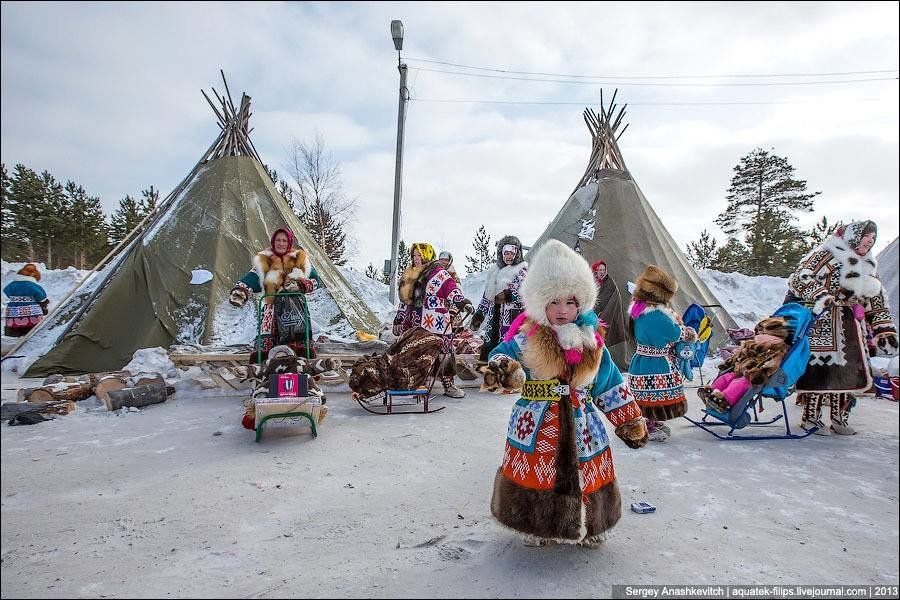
pixel 397 34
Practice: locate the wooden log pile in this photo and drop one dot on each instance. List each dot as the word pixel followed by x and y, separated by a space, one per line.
pixel 58 394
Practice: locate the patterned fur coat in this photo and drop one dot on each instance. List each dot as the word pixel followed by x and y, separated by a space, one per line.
pixel 839 358
pixel 557 480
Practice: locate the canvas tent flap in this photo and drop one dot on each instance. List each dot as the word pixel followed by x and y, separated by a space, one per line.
pixel 220 220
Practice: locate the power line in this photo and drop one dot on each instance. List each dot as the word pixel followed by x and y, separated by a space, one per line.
pixel 595 100
pixel 645 84
pixel 735 76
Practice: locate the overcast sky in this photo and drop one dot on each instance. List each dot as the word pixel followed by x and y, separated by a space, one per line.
pixel 109 95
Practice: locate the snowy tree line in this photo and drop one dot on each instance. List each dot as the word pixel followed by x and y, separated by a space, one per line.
pixel 764 200
pixel 62 224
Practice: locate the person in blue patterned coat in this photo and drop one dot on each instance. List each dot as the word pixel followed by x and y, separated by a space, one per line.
pixel 27 302
pixel 653 374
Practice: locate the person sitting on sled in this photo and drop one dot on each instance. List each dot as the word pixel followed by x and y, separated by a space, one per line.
pixel 753 363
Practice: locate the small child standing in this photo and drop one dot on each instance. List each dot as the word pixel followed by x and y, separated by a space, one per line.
pixel 556 482
pixel 753 363
pixel 653 376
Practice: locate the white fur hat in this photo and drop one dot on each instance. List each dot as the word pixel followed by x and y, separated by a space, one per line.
pixel 556 272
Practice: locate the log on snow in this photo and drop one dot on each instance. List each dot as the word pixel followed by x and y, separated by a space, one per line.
pixel 63 392
pixel 142 395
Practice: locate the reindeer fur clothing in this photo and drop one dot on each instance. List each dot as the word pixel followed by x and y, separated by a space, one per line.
pixel 556 480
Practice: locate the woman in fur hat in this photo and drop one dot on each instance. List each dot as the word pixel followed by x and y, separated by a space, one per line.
pixel 501 303
pixel 280 267
pixel 556 481
pixel 27 301
pixel 839 279
pixel 653 375
pixel 430 299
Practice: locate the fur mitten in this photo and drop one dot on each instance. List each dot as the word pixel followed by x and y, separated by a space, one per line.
pixel 633 433
pixel 239 295
pixel 688 334
pixel 886 343
pixel 502 375
pixel 477 320
pixel 821 303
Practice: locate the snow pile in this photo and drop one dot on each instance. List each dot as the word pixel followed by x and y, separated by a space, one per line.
pixel 747 299
pixel 152 360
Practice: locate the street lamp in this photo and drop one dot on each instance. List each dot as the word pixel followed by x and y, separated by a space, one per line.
pixel 397 34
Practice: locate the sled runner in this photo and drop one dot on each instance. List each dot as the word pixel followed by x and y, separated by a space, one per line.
pixel 777 387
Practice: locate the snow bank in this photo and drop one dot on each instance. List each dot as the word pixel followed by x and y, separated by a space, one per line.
pixel 747 299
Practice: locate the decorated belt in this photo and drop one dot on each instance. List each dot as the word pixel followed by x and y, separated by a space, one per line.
pixel 645 350
pixel 547 390
pixel 21 299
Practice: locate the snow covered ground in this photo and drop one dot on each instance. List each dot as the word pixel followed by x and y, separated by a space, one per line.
pixel 177 500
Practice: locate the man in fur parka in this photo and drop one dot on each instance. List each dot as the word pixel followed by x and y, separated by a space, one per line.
pixel 431 299
pixel 501 303
pixel 839 280
pixel 653 376
pixel 556 482
pixel 280 267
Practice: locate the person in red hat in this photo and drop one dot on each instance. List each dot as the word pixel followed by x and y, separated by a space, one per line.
pixel 27 301
pixel 609 308
pixel 279 268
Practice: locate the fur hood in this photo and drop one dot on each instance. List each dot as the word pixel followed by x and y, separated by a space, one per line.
pixel 857 273
pixel 556 272
pixel 504 241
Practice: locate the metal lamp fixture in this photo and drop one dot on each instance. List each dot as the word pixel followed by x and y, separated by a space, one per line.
pixel 397 34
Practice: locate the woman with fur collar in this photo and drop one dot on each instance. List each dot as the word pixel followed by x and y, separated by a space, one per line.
pixel 556 481
pixel 839 279
pixel 280 267
pixel 501 304
pixel 27 301
pixel 653 374
pixel 431 299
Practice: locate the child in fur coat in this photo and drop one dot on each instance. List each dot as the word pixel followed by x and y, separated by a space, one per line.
pixel 653 376
pixel 556 482
pixel 754 362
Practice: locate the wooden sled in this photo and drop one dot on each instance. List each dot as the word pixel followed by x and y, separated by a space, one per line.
pixel 383 403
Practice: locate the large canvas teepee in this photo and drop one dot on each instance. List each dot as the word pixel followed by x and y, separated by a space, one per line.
pixel 607 217
pixel 220 215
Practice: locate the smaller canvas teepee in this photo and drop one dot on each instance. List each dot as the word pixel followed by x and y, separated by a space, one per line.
pixel 887 272
pixel 216 220
pixel 607 217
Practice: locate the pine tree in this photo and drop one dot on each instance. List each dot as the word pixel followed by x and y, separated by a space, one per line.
pixel 483 252
pixel 7 220
pixel 86 232
pixel 731 257
pixel 702 252
pixel 40 213
pixel 403 259
pixel 149 201
pixel 762 200
pixel 373 273
pixel 323 226
pixel 820 232
pixel 124 219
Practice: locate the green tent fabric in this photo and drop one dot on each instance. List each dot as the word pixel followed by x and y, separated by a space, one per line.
pixel 222 217
pixel 607 217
